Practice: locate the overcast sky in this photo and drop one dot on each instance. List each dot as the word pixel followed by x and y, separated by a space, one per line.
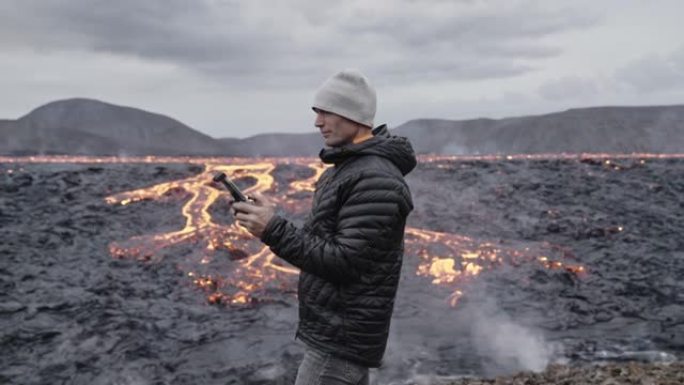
pixel 234 68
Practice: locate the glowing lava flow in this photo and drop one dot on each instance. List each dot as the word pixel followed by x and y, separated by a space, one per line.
pixel 251 272
pixel 255 268
pixel 309 184
pixel 453 260
pixel 195 211
pixel 446 259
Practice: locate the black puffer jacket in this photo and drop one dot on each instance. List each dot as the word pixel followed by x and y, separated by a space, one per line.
pixel 350 248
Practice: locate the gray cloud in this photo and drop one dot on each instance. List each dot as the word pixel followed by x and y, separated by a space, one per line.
pixel 651 74
pixel 189 33
pixel 568 88
pixel 654 73
pixel 277 44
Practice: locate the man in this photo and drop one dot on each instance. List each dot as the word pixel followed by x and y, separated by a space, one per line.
pixel 350 248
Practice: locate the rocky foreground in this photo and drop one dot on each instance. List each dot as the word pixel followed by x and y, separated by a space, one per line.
pixel 72 312
pixel 612 374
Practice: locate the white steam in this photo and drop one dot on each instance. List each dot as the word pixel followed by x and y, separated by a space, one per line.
pixel 504 345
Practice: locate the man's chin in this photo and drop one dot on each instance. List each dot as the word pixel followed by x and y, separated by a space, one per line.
pixel 330 142
pixel 334 142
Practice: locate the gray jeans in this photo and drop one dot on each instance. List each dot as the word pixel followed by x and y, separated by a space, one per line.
pixel 319 368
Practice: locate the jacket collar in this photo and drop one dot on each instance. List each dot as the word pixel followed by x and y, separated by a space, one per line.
pixel 395 148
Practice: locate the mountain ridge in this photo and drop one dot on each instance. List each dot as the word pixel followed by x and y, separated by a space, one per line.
pixel 57 127
pixel 80 126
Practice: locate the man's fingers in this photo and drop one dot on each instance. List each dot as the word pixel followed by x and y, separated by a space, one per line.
pixel 260 199
pixel 246 221
pixel 243 207
pixel 257 198
pixel 243 217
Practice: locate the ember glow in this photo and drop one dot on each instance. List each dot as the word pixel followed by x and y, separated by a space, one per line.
pixel 453 260
pixel 255 269
pixel 422 158
pixel 231 267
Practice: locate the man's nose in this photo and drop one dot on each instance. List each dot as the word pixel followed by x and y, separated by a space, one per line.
pixel 319 120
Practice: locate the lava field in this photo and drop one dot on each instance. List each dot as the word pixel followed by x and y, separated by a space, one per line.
pixel 132 271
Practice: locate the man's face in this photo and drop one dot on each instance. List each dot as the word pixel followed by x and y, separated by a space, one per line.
pixel 336 130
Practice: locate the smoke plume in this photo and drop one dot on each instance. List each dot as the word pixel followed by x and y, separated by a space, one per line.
pixel 504 345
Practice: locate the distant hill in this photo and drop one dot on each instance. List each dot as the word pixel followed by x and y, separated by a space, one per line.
pixel 91 127
pixel 275 145
pixel 597 129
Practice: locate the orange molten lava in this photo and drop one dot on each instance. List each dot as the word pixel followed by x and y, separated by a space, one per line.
pixel 459 259
pixel 252 271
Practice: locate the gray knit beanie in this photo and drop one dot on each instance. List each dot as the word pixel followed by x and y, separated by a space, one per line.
pixel 348 94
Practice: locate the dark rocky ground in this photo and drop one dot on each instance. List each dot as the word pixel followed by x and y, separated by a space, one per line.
pixel 631 373
pixel 72 314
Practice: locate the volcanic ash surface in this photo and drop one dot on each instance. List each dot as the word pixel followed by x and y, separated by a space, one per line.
pixel 134 273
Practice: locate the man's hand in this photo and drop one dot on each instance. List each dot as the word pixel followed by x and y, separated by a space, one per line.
pixel 254 216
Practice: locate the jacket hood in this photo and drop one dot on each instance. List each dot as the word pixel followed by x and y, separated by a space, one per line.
pixel 395 148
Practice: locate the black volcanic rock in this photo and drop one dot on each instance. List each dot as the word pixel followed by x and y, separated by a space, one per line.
pixel 72 311
pixel 91 127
